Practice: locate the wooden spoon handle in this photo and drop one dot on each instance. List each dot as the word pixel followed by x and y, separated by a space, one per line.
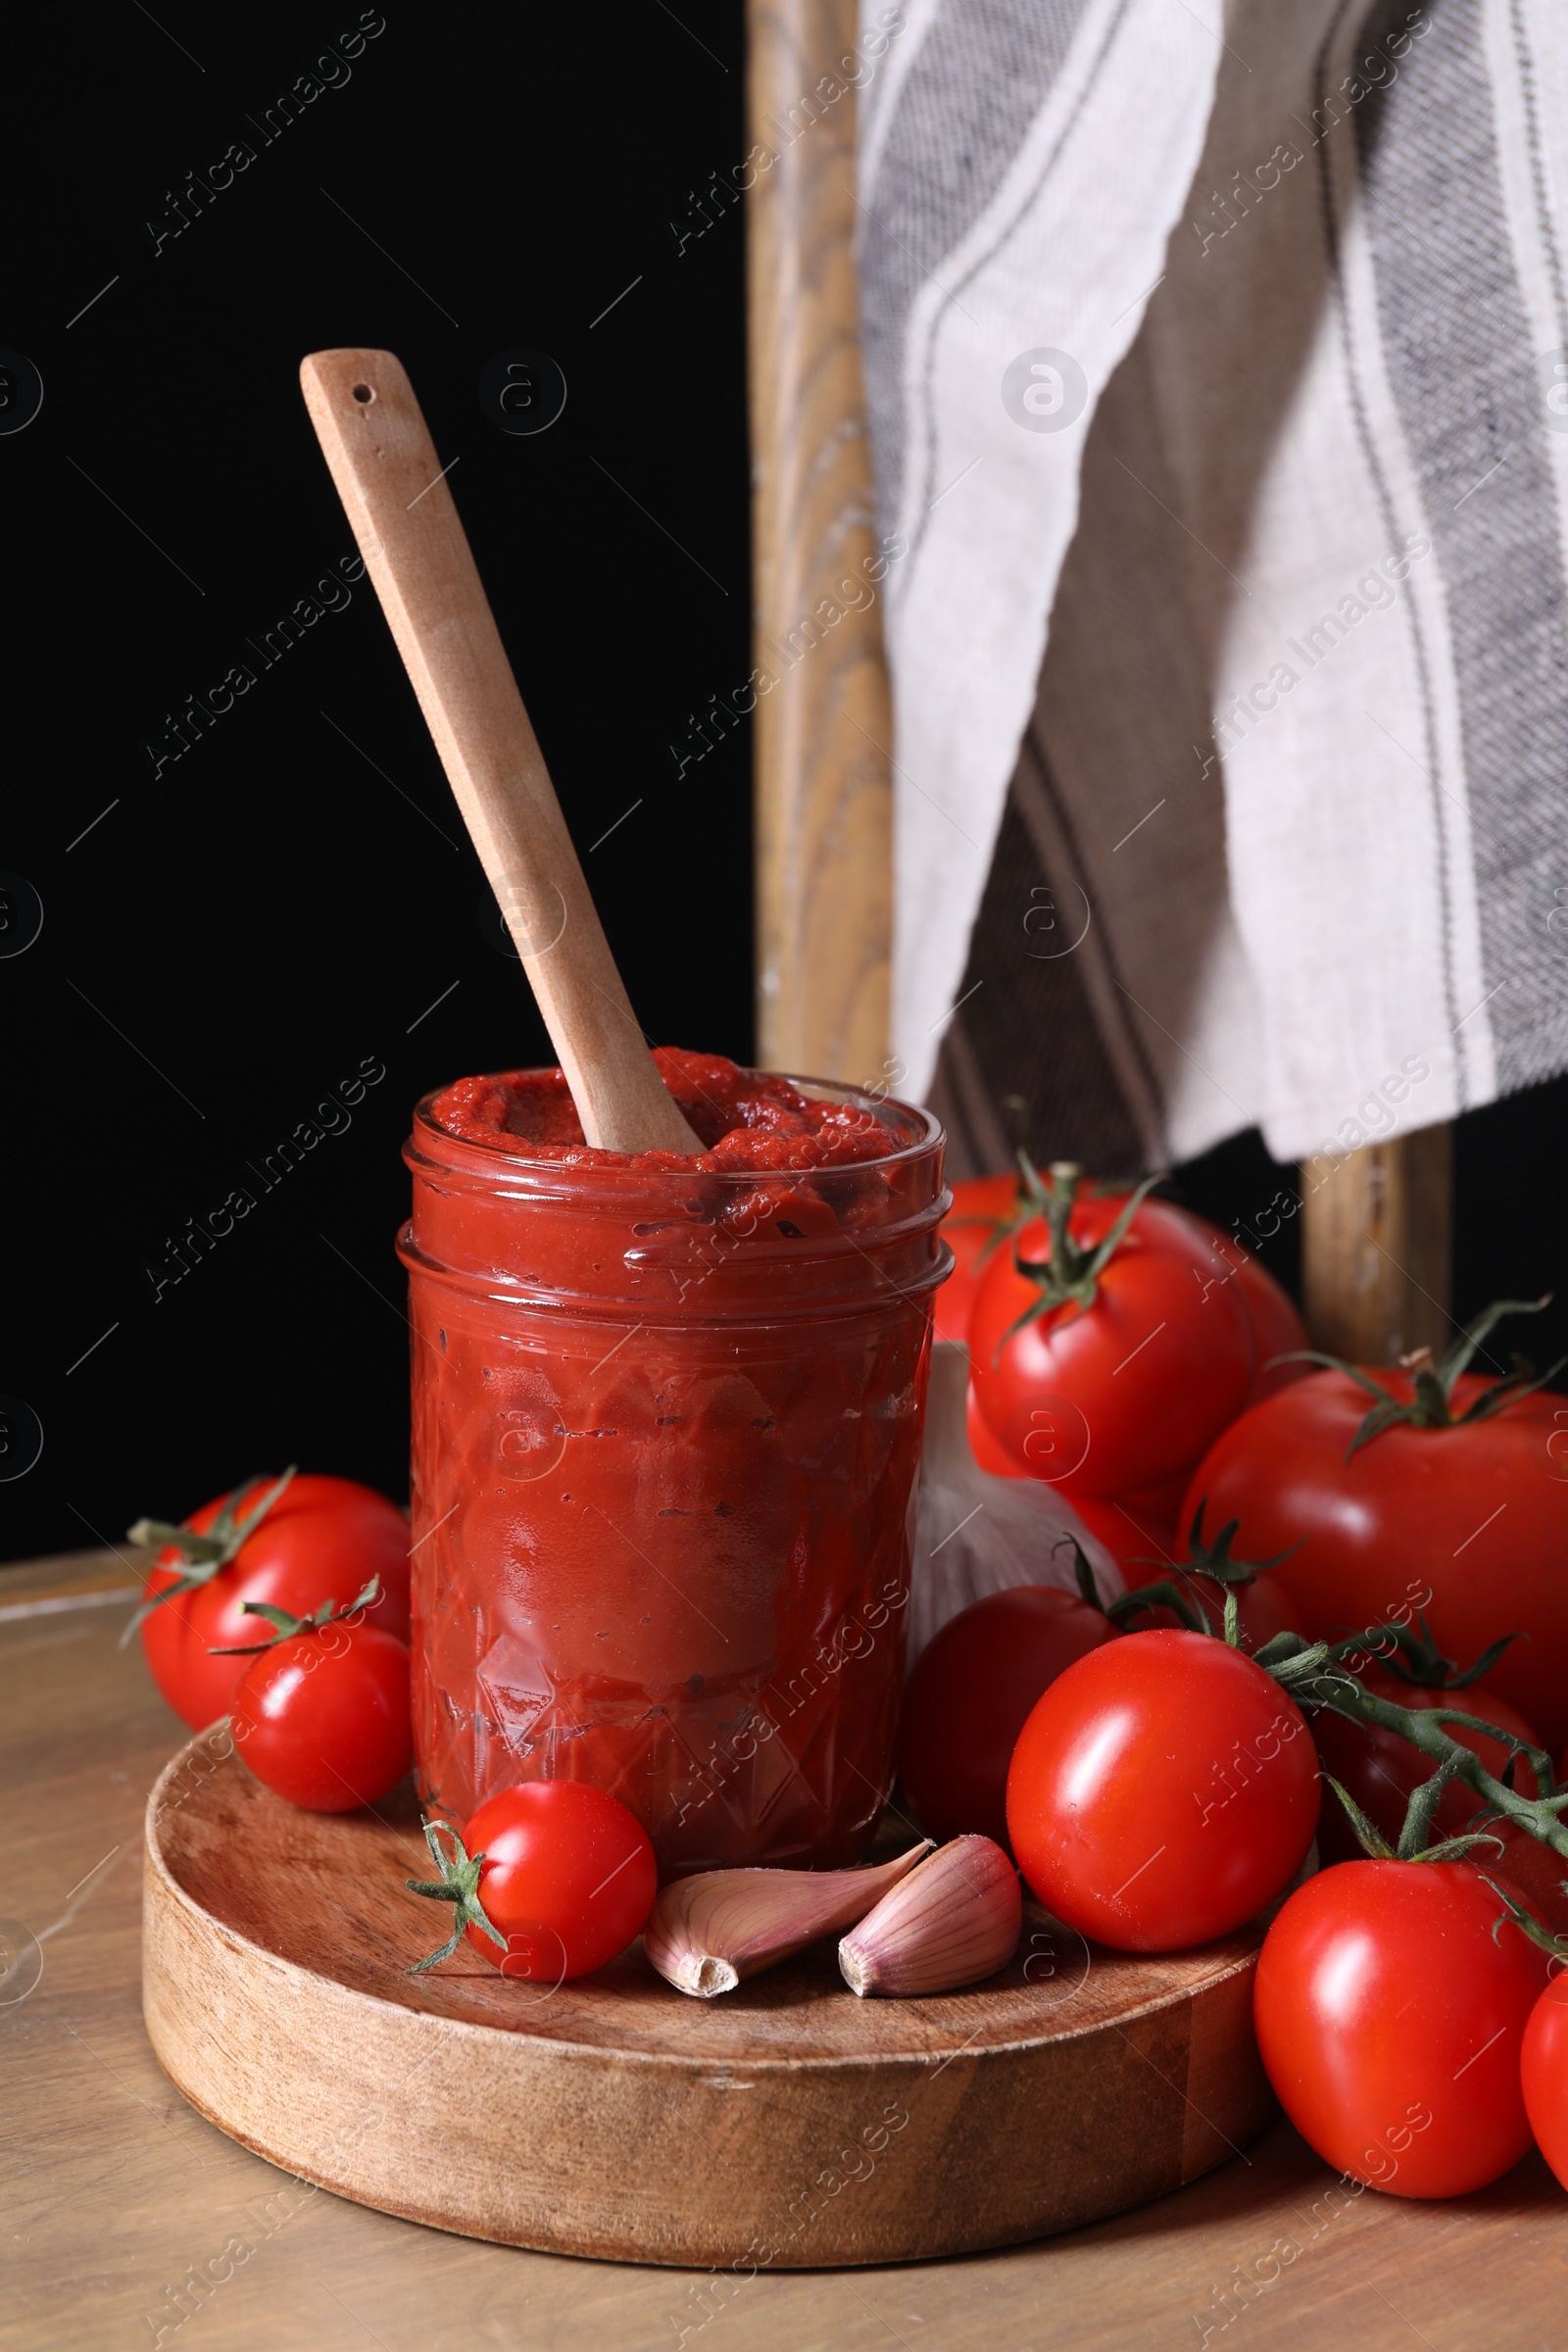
pixel 389 478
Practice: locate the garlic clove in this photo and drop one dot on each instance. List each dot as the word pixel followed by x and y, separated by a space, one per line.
pixel 950 1922
pixel 977 1534
pixel 707 1932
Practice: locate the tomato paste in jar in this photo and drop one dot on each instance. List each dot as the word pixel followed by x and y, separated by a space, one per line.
pixel 666 1426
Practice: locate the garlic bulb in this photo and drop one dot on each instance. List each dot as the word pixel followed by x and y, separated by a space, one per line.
pixel 955 1919
pixel 707 1932
pixel 976 1534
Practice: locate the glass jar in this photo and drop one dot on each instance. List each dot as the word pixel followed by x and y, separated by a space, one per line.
pixel 667 1427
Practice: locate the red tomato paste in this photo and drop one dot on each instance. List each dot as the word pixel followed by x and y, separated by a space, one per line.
pixel 666 1417
pixel 745 1118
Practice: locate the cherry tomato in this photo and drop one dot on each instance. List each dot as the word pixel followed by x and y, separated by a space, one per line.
pixel 1263 1606
pixel 988 1449
pixel 1277 1328
pixel 971 1694
pixel 323 1539
pixel 1143 1543
pixel 1537 1875
pixel 1390 2023
pixel 1124 1392
pixel 322 1716
pixel 568 1877
pixel 1150 1551
pixel 982 1213
pixel 1468 1524
pixel 1161 1792
pixel 1380 1769
pixel 1543 2070
pixel 1262 1610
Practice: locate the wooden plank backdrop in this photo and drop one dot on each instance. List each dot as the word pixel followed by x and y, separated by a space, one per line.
pixel 824 729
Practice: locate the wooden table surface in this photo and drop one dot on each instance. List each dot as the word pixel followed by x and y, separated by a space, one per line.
pixel 129 2221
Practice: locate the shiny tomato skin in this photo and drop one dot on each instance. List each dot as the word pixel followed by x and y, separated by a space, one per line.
pixel 971 1694
pixel 1389 2023
pixel 1128 1391
pixel 568 1877
pixel 1163 1789
pixel 1468 1525
pixel 982 1209
pixel 323 1719
pixel 1543 2074
pixel 323 1539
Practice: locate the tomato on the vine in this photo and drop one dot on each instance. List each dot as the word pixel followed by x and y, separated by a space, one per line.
pixel 1389 2020
pixel 1206 1574
pixel 972 1690
pixel 1277 1328
pixel 293 1544
pixel 321 1714
pixel 1143 1543
pixel 1467 1518
pixel 549 1879
pixel 1380 1770
pixel 1528 1865
pixel 1105 1352
pixel 1163 1789
pixel 1543 2072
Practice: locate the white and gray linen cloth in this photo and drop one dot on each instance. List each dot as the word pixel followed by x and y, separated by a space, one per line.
pixel 1218 377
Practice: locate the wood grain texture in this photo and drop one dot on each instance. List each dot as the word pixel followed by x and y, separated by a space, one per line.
pixel 612 2116
pixel 394 492
pixel 824 728
pixel 1376 1248
pixel 131 2220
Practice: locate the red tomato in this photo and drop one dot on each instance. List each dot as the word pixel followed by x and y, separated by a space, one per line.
pixel 1493 1753
pixel 1473 1517
pixel 1543 2072
pixel 1162 1792
pixel 983 1210
pixel 1380 1769
pixel 1389 2023
pixel 1127 1391
pixel 568 1877
pixel 988 1450
pixel 1150 1551
pixel 1262 1609
pixel 1375 1768
pixel 1277 1328
pixel 322 1717
pixel 1133 1536
pixel 323 1539
pixel 1537 1875
pixel 969 1697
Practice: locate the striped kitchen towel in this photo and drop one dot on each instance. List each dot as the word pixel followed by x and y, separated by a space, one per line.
pixel 1217 376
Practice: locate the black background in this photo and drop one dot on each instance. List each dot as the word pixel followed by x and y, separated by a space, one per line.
pixel 238 933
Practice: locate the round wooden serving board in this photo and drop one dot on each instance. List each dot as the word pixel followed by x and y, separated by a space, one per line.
pixel 787 2125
